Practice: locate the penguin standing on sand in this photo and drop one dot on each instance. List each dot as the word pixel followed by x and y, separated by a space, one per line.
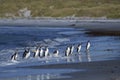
pixel 14 56
pixel 88 45
pixel 26 54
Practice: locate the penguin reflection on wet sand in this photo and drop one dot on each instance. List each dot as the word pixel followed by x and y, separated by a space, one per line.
pixel 14 56
pixel 88 55
pixel 26 54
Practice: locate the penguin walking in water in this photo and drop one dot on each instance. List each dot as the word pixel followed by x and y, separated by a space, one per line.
pixel 36 53
pixel 26 54
pixel 71 49
pixel 46 52
pixel 88 45
pixel 67 51
pixel 56 53
pixel 14 56
pixel 41 52
pixel 79 48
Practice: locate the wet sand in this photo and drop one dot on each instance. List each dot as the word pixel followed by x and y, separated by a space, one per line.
pixel 81 65
pixel 97 70
pixel 98 73
pixel 106 70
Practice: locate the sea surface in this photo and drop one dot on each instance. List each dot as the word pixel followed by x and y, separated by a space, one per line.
pixel 103 47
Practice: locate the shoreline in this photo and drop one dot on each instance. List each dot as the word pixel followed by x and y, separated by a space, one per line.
pixel 97 26
pixel 53 21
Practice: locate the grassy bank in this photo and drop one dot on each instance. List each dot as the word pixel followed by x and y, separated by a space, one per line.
pixel 63 8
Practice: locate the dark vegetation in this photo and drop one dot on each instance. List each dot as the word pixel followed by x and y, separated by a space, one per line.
pixel 63 8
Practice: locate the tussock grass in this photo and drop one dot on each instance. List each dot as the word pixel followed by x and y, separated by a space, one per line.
pixel 62 8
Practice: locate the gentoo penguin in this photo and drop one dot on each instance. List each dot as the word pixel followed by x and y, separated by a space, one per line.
pixel 79 48
pixel 67 51
pixel 71 49
pixel 36 54
pixel 56 53
pixel 41 52
pixel 26 54
pixel 14 56
pixel 46 52
pixel 88 45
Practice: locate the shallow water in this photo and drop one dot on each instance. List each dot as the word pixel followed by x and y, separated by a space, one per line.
pixel 12 38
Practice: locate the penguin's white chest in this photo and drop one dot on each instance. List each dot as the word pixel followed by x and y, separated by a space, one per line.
pixel 46 52
pixel 41 52
pixel 27 55
pixel 88 45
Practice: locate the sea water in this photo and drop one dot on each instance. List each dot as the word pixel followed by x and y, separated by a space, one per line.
pixel 104 47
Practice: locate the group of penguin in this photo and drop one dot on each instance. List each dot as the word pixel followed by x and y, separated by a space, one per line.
pixel 40 52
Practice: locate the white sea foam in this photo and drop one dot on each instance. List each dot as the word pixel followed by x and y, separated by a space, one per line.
pixel 61 39
pixel 7 63
pixel 6 51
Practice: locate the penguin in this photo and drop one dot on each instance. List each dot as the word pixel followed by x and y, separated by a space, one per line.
pixel 41 52
pixel 79 47
pixel 14 56
pixel 88 45
pixel 46 52
pixel 71 49
pixel 26 54
pixel 67 51
pixel 36 54
pixel 56 53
